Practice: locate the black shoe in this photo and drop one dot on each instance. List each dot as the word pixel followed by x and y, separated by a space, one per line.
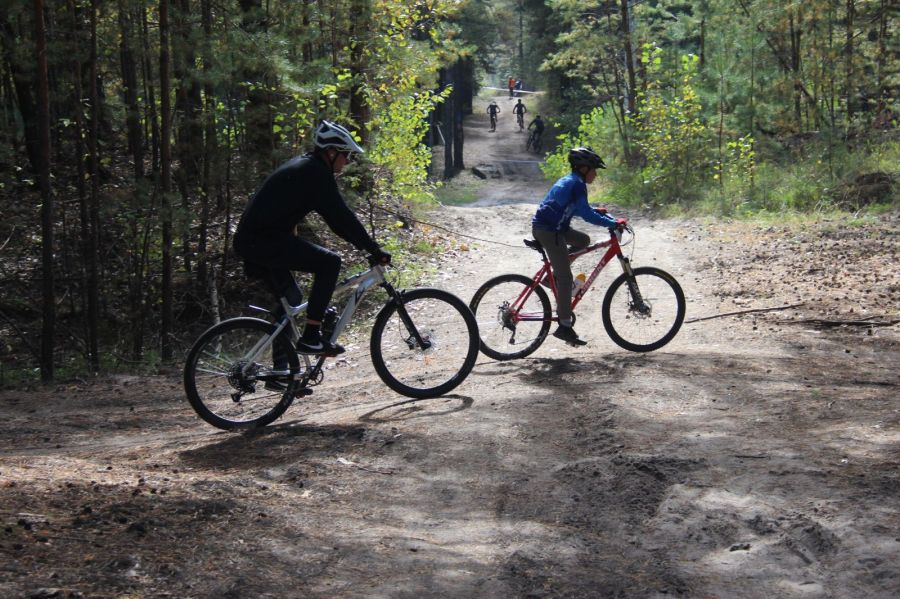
pixel 568 335
pixel 319 346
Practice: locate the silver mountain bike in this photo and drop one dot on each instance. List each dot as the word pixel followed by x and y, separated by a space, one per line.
pixel 245 372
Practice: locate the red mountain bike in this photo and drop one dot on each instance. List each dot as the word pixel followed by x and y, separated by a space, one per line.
pixel 642 310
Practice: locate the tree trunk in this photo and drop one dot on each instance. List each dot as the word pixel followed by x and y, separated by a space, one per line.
pixel 24 84
pixel 457 103
pixel 881 85
pixel 795 33
pixel 134 133
pixel 257 114
pixel 130 89
pixel 631 92
pixel 361 16
pixel 703 42
pixel 189 146
pixel 447 124
pixel 48 327
pixel 150 91
pixel 93 225
pixel 165 183
pixel 210 146
pixel 848 64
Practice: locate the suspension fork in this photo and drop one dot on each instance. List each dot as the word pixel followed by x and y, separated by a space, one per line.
pixel 397 298
pixel 636 297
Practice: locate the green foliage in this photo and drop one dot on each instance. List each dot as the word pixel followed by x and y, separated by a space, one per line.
pixel 819 182
pixel 398 145
pixel 670 131
pixel 764 87
pixel 597 129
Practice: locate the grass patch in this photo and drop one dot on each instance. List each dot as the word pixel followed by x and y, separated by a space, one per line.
pixel 459 191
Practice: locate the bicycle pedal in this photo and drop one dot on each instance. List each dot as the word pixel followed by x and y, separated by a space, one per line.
pixel 303 392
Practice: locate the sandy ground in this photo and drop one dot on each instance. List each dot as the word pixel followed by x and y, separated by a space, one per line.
pixel 754 456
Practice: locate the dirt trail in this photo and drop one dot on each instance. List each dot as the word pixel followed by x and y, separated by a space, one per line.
pixel 754 456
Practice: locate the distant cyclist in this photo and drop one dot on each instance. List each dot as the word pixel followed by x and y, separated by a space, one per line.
pixel 537 131
pixel 493 110
pixel 519 110
pixel 265 236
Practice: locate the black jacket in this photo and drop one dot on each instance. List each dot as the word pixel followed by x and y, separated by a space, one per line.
pixel 301 185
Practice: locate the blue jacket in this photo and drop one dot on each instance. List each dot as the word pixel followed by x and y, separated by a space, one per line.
pixel 568 198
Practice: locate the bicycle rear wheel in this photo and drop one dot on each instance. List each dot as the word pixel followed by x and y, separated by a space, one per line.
pixel 448 348
pixel 648 319
pixel 503 335
pixel 225 388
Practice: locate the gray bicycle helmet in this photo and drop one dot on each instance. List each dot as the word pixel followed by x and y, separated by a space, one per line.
pixel 332 135
pixel 585 156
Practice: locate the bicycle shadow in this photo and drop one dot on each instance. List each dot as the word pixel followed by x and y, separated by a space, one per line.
pixel 273 445
pixel 418 408
pixel 289 441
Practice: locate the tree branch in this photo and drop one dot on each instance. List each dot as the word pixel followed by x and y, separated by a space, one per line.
pixel 744 312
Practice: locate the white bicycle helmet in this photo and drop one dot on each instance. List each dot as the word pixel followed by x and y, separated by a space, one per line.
pixel 332 135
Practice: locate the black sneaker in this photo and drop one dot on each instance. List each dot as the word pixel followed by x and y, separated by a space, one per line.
pixel 319 346
pixel 568 335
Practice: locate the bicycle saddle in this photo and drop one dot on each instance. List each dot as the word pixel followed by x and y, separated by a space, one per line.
pixel 536 246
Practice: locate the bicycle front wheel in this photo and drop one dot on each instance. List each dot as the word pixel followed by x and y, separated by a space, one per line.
pixel 644 312
pixel 227 387
pixel 425 345
pixel 509 332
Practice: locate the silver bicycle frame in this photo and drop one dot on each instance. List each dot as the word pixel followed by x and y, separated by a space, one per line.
pixel 362 282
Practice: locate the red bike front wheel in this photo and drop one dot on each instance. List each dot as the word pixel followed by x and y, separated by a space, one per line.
pixel 644 311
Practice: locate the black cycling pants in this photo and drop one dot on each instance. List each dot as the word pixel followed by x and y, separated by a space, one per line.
pixel 281 255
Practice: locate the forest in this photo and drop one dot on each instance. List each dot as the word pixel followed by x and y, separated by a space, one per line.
pixel 133 132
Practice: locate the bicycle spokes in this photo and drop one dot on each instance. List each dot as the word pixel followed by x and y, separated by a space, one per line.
pixel 643 309
pixel 424 343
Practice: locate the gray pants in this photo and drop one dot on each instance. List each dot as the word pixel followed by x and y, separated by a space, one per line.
pixel 555 244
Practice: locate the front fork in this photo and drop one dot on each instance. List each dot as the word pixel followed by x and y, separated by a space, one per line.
pixel 637 300
pixel 415 338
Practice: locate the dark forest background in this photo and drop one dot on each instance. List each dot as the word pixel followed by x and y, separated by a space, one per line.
pixel 133 131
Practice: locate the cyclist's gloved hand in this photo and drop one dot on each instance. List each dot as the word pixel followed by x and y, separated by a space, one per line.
pixel 380 257
pixel 622 222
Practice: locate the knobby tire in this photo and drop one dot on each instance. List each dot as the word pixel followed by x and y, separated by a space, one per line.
pixel 445 323
pixel 644 330
pixel 500 338
pixel 215 389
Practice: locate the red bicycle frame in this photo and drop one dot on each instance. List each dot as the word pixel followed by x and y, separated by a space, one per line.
pixel 546 270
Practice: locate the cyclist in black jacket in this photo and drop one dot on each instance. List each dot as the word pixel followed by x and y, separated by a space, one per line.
pixel 266 239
